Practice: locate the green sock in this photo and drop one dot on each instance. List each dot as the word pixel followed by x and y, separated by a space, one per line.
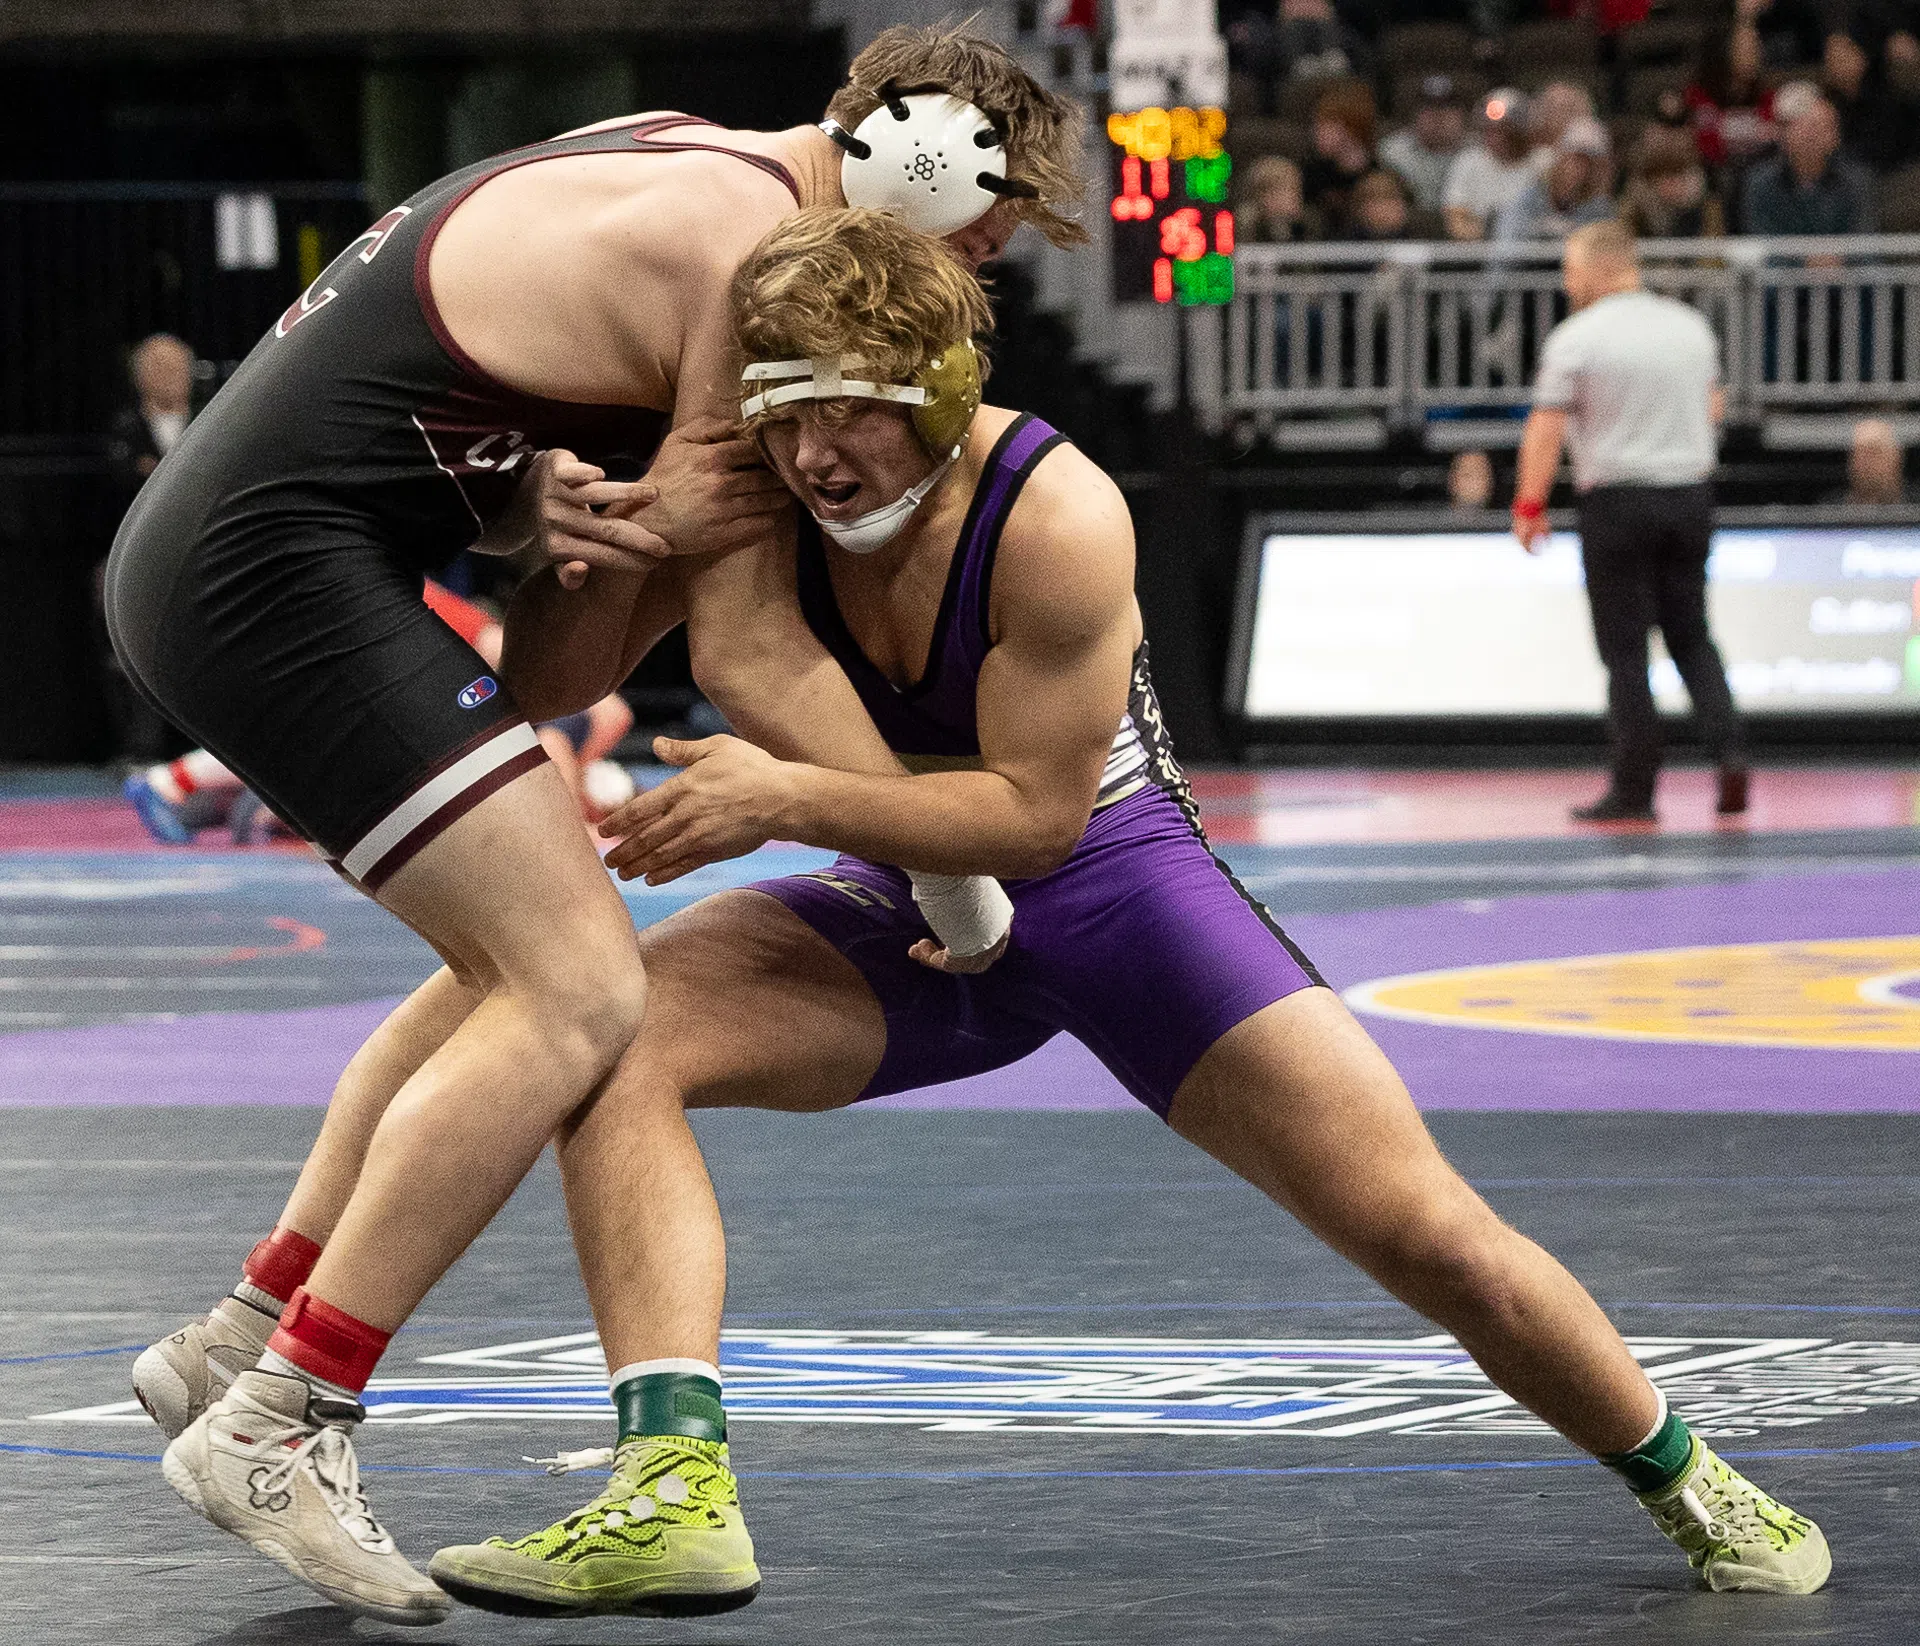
pixel 1660 1459
pixel 664 1398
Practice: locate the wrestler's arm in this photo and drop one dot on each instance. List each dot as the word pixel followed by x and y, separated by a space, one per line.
pixel 1051 692
pixel 753 654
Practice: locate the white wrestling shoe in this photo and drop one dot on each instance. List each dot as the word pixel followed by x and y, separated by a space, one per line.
pixel 182 1375
pixel 273 1463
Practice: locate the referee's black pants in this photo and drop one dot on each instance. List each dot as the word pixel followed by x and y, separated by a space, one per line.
pixel 1645 552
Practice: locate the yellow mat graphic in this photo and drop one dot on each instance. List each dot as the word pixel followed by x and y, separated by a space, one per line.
pixel 1853 994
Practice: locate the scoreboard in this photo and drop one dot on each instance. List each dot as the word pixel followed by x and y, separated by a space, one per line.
pixel 1172 231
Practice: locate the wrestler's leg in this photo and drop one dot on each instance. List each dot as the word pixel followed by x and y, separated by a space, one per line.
pixel 514 893
pixel 748 1007
pixel 1301 1103
pixel 417 1028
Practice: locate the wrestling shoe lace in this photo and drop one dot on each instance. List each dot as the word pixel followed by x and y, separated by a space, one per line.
pixel 566 1463
pixel 335 1469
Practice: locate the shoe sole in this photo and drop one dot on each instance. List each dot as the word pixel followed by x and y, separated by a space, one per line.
pixel 180 1477
pixel 162 1393
pixel 678 1605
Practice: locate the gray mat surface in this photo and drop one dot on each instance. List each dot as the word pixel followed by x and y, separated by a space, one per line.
pixel 115 1224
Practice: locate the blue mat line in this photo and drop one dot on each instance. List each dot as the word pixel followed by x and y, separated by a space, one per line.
pixel 72 1354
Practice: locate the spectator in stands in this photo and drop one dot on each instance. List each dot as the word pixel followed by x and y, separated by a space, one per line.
pixel 1876 466
pixel 1809 187
pixel 1877 115
pixel 1557 106
pixel 1574 190
pixel 1668 196
pixel 1492 172
pixel 1470 482
pixel 1382 208
pixel 1344 119
pixel 1274 208
pixel 1731 103
pixel 1424 152
pixel 1297 40
pixel 1790 32
pixel 160 369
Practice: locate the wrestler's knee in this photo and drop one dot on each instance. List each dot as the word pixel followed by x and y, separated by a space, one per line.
pixel 588 994
pixel 1452 1260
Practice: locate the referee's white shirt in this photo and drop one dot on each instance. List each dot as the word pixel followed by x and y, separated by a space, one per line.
pixel 1635 373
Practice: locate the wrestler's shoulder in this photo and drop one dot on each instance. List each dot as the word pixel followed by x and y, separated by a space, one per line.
pixel 1067 546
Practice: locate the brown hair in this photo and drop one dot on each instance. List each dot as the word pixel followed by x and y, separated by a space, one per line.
pixel 1350 103
pixel 1042 129
pixel 1382 184
pixel 844 280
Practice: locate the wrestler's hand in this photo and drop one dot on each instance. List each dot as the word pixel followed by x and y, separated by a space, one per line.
pixel 934 958
pixel 715 494
pixel 579 519
pixel 723 803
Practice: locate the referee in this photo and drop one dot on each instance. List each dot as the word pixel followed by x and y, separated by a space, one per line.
pixel 1631 381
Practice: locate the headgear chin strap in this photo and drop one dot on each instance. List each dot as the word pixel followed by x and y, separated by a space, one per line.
pixel 943 396
pixel 930 158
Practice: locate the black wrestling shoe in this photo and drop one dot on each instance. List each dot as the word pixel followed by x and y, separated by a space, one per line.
pixel 1734 785
pixel 1612 807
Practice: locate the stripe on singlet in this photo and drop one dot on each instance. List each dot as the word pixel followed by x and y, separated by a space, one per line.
pixel 447 793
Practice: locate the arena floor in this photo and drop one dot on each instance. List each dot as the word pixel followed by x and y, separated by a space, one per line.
pixel 1007 1361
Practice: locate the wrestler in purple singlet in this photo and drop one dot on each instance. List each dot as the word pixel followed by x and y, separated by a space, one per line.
pixel 1142 944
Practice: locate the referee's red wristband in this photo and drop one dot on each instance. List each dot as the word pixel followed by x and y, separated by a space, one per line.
pixel 1528 508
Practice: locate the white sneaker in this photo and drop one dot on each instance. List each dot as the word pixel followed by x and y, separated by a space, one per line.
pixel 273 1463
pixel 182 1375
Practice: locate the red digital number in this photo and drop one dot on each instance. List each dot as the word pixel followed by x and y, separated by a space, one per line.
pixel 1131 204
pixel 1182 237
pixel 1223 233
pixel 1162 280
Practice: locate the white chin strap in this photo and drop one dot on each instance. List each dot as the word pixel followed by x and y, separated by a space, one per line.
pixel 820 380
pixel 878 527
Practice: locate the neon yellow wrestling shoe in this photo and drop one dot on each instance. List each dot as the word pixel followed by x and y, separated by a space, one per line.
pixel 1734 1535
pixel 665 1539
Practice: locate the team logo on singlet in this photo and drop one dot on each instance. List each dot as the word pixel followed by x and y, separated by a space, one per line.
pixel 473 695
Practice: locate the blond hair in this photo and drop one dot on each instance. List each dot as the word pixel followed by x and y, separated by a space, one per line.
pixel 1608 242
pixel 1041 129
pixel 835 281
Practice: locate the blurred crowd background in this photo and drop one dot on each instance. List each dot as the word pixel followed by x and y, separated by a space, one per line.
pixel 172 176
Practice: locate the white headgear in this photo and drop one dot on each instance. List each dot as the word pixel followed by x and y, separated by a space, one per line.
pixel 929 157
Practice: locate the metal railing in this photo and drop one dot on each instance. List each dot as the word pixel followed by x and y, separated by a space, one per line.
pixel 1417 333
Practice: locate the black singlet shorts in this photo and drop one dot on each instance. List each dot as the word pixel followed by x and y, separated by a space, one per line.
pixel 265 588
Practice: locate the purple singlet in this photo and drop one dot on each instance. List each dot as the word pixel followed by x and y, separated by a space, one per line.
pixel 1142 944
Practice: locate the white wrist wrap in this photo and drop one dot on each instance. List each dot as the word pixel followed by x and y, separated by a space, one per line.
pixel 969 913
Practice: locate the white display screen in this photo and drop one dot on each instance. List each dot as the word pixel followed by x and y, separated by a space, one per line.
pixel 1356 624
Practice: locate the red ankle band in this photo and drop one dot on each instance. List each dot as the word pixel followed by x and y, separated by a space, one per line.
pixel 327 1342
pixel 280 1264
